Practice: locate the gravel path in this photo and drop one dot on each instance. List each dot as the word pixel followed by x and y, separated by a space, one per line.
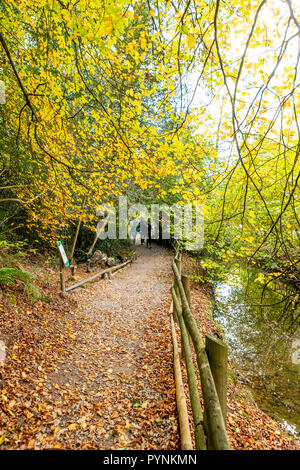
pixel 121 366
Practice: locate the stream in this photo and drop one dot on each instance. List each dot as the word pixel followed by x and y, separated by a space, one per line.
pixel 263 342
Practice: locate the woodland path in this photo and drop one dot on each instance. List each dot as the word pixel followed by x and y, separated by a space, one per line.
pixel 93 369
pixel 120 371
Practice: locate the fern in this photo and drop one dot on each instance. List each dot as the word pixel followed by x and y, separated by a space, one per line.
pixel 10 275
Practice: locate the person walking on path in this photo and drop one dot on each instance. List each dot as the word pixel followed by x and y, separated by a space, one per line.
pixel 149 234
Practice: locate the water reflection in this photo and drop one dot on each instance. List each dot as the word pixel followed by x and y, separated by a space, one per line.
pixel 261 325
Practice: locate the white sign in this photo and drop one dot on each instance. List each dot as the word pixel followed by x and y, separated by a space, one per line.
pixel 63 254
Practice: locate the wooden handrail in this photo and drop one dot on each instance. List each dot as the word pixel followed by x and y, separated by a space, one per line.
pixel 192 380
pixel 100 273
pixel 216 427
pixel 185 434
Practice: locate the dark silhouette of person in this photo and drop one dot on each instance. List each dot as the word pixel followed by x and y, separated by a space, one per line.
pixel 149 234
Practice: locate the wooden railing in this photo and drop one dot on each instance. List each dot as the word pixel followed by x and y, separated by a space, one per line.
pixel 102 273
pixel 211 357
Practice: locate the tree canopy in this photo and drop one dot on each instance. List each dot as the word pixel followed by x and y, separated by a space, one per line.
pixel 194 100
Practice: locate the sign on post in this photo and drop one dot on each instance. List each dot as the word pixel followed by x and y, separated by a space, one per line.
pixel 63 254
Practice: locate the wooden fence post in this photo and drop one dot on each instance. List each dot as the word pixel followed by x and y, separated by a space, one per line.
pixel 213 412
pixel 217 353
pixel 62 274
pixel 192 380
pixel 178 264
pixel 184 427
pixel 186 285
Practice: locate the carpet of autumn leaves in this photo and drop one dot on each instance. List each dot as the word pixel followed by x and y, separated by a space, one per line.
pixel 93 369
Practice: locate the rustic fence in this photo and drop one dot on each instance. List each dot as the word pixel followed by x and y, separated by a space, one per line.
pixel 211 357
pixel 104 272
